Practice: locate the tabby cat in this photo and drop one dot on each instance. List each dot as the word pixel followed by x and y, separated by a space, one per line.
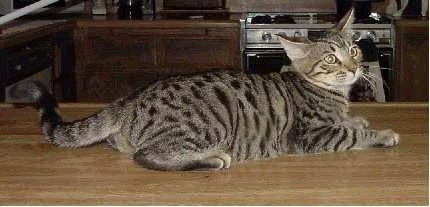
pixel 211 120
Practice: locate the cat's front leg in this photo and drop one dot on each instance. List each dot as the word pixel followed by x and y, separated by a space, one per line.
pixel 348 136
pixel 357 121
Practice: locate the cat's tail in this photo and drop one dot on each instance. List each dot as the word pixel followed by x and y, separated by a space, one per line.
pixel 84 132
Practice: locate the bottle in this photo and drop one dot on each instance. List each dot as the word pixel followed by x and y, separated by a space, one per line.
pixel 99 7
pixel 130 9
pixel 148 7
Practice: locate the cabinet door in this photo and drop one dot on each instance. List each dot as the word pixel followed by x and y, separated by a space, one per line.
pixel 106 87
pixel 412 53
pixel 197 54
pixel 218 48
pixel 100 50
pixel 112 62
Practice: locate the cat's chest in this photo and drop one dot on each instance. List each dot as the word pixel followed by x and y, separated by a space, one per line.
pixel 319 115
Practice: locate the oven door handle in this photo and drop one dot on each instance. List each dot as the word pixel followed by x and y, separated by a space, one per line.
pixel 265 55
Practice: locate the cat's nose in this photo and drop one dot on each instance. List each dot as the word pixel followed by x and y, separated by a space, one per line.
pixel 352 70
pixel 351 66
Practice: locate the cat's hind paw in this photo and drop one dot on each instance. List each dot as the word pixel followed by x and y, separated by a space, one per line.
pixel 216 162
pixel 226 160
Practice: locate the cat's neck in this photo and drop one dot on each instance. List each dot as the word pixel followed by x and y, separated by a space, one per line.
pixel 318 94
pixel 342 91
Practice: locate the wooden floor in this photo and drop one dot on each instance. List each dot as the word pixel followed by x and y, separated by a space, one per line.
pixel 33 172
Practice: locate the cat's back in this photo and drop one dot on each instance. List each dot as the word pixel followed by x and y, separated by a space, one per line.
pixel 211 103
pixel 219 87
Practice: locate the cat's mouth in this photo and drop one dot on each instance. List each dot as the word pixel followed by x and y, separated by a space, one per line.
pixel 358 73
pixel 348 78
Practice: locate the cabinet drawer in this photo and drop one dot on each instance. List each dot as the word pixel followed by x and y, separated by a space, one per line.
pixel 198 53
pixel 155 32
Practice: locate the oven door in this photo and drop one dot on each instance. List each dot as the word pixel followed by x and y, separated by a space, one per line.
pixel 43 77
pixel 29 61
pixel 262 61
pixel 386 59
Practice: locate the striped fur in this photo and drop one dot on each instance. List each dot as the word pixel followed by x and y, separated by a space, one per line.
pixel 209 121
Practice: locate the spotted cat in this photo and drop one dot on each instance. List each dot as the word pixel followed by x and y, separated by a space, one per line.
pixel 212 120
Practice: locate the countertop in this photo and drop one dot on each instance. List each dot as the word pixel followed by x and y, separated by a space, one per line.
pixel 36 173
pixel 22 31
pixel 32 27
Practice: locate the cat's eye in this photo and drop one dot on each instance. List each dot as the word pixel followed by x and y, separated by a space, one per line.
pixel 330 59
pixel 353 51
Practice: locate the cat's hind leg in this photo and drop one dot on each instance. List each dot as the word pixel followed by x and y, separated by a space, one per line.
pixel 119 142
pixel 206 160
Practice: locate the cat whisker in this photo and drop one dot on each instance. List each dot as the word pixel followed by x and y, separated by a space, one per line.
pixel 373 77
pixel 376 78
pixel 372 85
pixel 387 69
pixel 382 68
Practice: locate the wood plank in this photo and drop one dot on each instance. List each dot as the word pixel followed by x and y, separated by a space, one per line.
pixel 36 173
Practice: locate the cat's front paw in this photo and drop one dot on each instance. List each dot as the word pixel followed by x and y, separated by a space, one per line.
pixel 387 138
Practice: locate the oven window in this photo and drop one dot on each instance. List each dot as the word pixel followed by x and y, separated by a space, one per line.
pixel 385 57
pixel 266 62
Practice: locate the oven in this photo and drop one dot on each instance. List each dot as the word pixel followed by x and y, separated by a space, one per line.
pixel 27 61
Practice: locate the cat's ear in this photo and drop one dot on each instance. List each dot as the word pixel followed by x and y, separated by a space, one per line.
pixel 345 24
pixel 295 50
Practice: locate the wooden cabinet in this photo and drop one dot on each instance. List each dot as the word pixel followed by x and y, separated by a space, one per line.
pixel 412 57
pixel 114 59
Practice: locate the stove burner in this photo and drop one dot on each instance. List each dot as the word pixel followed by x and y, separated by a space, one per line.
pixel 283 19
pixel 278 19
pixel 266 19
pixel 370 20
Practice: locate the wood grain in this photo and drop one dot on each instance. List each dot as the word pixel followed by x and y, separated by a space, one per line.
pixel 115 56
pixel 34 172
pixel 411 79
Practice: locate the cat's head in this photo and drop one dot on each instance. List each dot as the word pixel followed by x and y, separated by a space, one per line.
pixel 332 60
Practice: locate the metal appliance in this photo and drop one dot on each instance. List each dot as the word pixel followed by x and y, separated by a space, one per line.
pixel 263 53
pixel 362 8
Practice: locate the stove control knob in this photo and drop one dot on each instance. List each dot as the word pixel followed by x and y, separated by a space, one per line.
pixel 267 36
pixel 356 36
pixel 298 34
pixel 372 35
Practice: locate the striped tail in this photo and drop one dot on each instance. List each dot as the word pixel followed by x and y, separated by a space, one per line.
pixel 84 132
